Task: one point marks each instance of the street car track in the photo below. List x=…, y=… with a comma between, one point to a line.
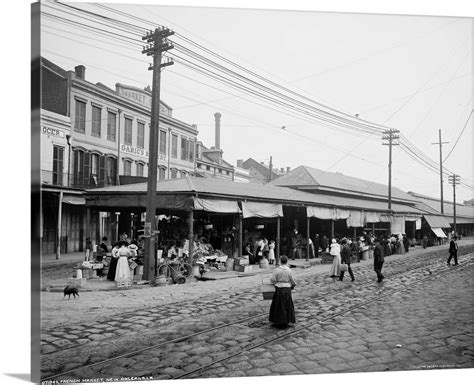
x=280, y=335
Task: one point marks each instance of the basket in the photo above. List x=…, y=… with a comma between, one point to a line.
x=344, y=268
x=268, y=289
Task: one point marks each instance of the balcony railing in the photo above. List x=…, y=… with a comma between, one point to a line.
x=78, y=180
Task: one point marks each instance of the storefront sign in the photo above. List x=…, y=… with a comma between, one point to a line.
x=140, y=96
x=134, y=150
x=52, y=132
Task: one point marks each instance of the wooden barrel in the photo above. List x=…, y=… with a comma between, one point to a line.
x=160, y=280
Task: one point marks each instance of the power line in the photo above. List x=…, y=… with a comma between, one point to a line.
x=459, y=136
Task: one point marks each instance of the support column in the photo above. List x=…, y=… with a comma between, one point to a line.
x=60, y=215
x=332, y=229
x=117, y=217
x=277, y=244
x=373, y=228
x=239, y=255
x=307, y=238
x=191, y=236
x=88, y=231
x=355, y=233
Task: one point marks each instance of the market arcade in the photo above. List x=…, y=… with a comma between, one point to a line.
x=231, y=214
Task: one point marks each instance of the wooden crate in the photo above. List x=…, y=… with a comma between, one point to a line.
x=243, y=269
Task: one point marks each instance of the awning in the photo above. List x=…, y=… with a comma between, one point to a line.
x=216, y=205
x=261, y=210
x=439, y=232
x=372, y=217
x=341, y=213
x=320, y=212
x=356, y=219
x=74, y=199
x=437, y=221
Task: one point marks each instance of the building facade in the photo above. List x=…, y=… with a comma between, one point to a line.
x=94, y=136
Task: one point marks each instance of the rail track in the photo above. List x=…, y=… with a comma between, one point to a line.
x=310, y=313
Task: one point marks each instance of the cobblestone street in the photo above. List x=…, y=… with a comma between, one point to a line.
x=419, y=318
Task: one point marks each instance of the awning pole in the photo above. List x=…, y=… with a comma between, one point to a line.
x=277, y=257
x=240, y=237
x=60, y=214
x=191, y=236
x=307, y=238
x=332, y=228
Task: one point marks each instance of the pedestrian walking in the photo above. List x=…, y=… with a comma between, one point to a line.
x=378, y=260
x=123, y=271
x=113, y=262
x=346, y=259
x=282, y=309
x=406, y=243
x=453, y=250
x=335, y=251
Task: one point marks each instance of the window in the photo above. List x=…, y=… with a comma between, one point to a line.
x=58, y=158
x=140, y=169
x=141, y=135
x=184, y=149
x=208, y=168
x=110, y=171
x=174, y=146
x=111, y=125
x=80, y=118
x=227, y=172
x=191, y=150
x=174, y=173
x=198, y=151
x=220, y=171
x=162, y=142
x=96, y=120
x=161, y=173
x=127, y=132
x=183, y=174
x=127, y=167
x=81, y=169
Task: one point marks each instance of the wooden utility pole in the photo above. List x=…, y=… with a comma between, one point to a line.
x=157, y=45
x=454, y=180
x=391, y=139
x=441, y=169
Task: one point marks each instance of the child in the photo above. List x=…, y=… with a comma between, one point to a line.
x=271, y=252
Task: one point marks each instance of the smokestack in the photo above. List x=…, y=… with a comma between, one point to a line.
x=287, y=170
x=217, y=117
x=240, y=163
x=80, y=71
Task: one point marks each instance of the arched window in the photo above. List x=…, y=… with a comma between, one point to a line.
x=127, y=167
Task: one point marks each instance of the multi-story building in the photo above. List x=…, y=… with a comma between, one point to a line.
x=95, y=136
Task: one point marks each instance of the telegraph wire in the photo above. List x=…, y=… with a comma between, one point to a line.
x=459, y=136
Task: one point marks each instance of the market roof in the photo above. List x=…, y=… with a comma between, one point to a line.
x=437, y=221
x=433, y=205
x=304, y=177
x=237, y=191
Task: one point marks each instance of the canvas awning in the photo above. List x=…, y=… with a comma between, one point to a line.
x=437, y=221
x=216, y=205
x=320, y=212
x=439, y=232
x=371, y=217
x=261, y=210
x=74, y=199
x=356, y=219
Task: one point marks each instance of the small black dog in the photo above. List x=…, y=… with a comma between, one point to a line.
x=70, y=290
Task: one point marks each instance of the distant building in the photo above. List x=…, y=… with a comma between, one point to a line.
x=470, y=202
x=259, y=171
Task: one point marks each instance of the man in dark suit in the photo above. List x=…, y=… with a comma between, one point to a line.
x=378, y=260
x=346, y=258
x=453, y=250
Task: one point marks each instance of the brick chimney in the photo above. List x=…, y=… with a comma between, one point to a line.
x=80, y=71
x=217, y=117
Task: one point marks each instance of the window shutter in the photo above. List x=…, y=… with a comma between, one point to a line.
x=87, y=168
x=101, y=170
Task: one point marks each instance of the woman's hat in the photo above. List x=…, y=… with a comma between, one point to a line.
x=133, y=247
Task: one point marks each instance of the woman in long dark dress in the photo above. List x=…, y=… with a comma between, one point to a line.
x=113, y=262
x=282, y=310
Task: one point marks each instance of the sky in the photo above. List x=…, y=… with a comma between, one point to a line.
x=411, y=73
x=336, y=87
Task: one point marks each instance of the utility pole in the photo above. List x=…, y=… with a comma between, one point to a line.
x=390, y=138
x=441, y=168
x=454, y=180
x=157, y=44
x=270, y=170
